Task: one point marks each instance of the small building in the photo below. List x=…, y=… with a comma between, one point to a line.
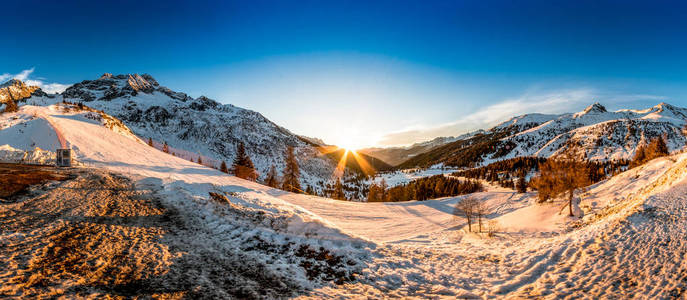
x=64, y=158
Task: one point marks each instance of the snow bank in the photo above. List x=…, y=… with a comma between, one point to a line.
x=27, y=131
x=37, y=156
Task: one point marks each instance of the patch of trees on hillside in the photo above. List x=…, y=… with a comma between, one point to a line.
x=463, y=153
x=436, y=186
x=561, y=177
x=512, y=173
x=509, y=173
x=656, y=148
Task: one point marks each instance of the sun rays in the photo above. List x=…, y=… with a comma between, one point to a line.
x=361, y=161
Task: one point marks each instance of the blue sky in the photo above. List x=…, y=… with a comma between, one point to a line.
x=366, y=72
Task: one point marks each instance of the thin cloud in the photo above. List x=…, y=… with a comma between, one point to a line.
x=555, y=102
x=25, y=76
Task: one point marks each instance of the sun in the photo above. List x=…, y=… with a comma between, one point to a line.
x=348, y=144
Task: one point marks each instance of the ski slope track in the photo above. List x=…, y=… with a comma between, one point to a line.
x=629, y=240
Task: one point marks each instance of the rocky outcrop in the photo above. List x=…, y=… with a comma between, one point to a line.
x=16, y=90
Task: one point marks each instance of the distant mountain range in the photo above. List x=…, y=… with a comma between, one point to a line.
x=397, y=155
x=206, y=127
x=592, y=134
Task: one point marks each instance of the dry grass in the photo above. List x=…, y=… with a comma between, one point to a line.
x=15, y=178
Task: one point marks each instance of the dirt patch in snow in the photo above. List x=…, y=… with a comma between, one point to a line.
x=98, y=235
x=15, y=179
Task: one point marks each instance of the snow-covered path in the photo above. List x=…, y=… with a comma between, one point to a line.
x=643, y=254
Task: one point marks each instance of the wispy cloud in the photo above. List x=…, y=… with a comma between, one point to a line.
x=550, y=102
x=25, y=76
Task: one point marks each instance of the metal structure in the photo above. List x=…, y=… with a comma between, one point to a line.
x=64, y=158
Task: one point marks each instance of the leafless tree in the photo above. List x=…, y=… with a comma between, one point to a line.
x=480, y=210
x=493, y=227
x=466, y=208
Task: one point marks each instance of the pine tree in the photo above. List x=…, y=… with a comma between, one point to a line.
x=291, y=180
x=373, y=193
x=242, y=166
x=271, y=180
x=658, y=147
x=561, y=176
x=521, y=186
x=223, y=167
x=382, y=190
x=150, y=142
x=338, y=191
x=200, y=161
x=165, y=147
x=11, y=106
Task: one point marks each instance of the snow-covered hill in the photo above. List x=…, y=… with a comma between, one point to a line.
x=592, y=134
x=201, y=126
x=597, y=134
x=631, y=234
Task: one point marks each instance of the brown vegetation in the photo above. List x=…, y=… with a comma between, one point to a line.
x=11, y=106
x=292, y=174
x=15, y=178
x=561, y=176
x=656, y=148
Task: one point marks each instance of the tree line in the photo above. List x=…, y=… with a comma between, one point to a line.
x=655, y=148
x=512, y=173
x=422, y=189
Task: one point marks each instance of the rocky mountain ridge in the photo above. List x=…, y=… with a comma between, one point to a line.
x=16, y=90
x=591, y=134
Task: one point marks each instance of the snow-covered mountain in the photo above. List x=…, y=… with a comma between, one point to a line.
x=593, y=134
x=397, y=155
x=201, y=125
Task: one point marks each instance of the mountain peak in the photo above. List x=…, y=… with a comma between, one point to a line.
x=139, y=83
x=15, y=89
x=12, y=82
x=664, y=105
x=596, y=107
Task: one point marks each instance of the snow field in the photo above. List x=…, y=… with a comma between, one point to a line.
x=418, y=249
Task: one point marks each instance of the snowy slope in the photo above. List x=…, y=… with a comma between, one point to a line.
x=94, y=144
x=592, y=134
x=597, y=134
x=196, y=127
x=629, y=238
